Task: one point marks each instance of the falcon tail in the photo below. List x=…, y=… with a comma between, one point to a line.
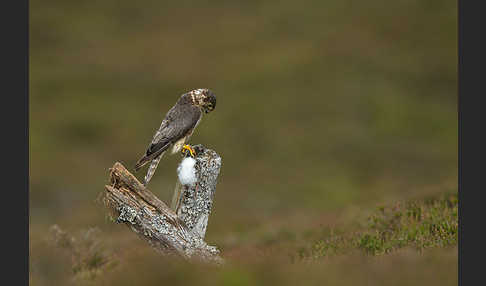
x=152, y=168
x=144, y=160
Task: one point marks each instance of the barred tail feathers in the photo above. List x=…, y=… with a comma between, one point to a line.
x=152, y=168
x=144, y=160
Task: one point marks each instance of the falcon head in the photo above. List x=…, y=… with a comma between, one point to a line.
x=204, y=98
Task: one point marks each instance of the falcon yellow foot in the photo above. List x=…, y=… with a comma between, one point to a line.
x=187, y=148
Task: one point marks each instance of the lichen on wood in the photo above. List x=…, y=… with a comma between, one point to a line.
x=193, y=206
x=169, y=232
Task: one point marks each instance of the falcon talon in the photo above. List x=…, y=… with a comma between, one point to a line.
x=187, y=148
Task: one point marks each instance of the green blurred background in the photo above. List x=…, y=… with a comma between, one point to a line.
x=325, y=110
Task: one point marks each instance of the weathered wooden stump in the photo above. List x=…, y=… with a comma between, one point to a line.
x=180, y=230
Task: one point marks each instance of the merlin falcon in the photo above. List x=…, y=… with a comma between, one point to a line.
x=176, y=128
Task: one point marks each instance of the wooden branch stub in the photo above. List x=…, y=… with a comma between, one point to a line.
x=121, y=177
x=131, y=203
x=193, y=202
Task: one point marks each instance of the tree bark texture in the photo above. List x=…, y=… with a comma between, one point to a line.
x=180, y=230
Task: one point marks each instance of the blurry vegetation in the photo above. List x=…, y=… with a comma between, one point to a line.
x=326, y=109
x=89, y=258
x=419, y=224
x=416, y=224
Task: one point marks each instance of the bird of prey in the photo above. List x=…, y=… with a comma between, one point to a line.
x=176, y=128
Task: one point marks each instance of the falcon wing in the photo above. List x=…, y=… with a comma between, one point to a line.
x=179, y=121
